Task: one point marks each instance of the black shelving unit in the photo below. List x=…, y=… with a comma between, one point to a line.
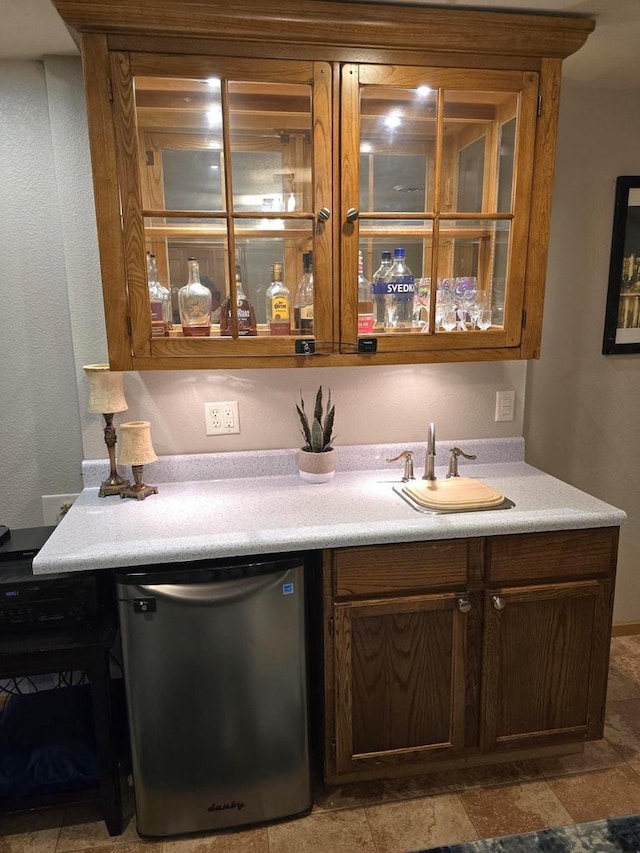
x=66, y=650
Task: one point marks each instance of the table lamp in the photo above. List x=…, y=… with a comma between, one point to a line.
x=106, y=397
x=136, y=450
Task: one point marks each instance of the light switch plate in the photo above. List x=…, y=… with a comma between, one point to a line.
x=505, y=405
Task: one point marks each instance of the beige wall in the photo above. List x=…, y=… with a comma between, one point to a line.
x=582, y=414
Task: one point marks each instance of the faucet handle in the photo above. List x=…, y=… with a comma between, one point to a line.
x=407, y=455
x=453, y=461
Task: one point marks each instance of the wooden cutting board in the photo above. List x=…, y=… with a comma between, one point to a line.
x=456, y=493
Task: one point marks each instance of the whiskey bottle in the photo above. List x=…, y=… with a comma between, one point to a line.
x=194, y=302
x=303, y=302
x=278, y=303
x=245, y=311
x=159, y=301
x=365, y=301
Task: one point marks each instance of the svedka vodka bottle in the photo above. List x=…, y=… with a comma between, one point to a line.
x=401, y=288
x=380, y=292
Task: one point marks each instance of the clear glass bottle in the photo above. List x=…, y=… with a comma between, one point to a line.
x=365, y=301
x=247, y=326
x=278, y=303
x=194, y=302
x=401, y=287
x=159, y=300
x=380, y=292
x=303, y=302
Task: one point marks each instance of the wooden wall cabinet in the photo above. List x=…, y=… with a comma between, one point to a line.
x=330, y=128
x=465, y=651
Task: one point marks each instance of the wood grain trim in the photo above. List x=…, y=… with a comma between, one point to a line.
x=568, y=553
x=540, y=210
x=387, y=569
x=102, y=144
x=335, y=23
x=323, y=147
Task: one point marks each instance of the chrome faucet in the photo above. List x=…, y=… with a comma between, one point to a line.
x=429, y=466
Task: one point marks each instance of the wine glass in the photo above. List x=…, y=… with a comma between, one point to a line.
x=449, y=319
x=480, y=302
x=484, y=319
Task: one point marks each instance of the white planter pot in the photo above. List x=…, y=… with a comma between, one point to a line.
x=317, y=467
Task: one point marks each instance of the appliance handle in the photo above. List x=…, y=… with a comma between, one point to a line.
x=217, y=592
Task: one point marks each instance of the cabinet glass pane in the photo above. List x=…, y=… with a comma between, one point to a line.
x=472, y=268
x=192, y=179
x=180, y=131
x=172, y=255
x=270, y=132
x=397, y=149
x=257, y=250
x=478, y=147
x=417, y=241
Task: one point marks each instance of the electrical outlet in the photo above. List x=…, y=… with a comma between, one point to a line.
x=54, y=507
x=221, y=418
x=505, y=406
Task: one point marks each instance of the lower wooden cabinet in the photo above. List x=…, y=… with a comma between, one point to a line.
x=446, y=651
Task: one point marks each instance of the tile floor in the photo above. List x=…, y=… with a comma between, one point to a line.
x=407, y=814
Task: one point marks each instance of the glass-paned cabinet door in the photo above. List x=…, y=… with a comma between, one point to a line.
x=223, y=167
x=437, y=168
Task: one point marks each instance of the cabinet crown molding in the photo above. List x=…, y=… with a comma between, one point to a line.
x=336, y=24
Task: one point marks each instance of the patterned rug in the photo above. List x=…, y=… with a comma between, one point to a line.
x=614, y=835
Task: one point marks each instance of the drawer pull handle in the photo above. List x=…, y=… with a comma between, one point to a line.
x=464, y=605
x=352, y=214
x=498, y=602
x=324, y=214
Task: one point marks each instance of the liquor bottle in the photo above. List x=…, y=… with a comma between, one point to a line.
x=194, y=302
x=380, y=292
x=365, y=301
x=303, y=302
x=401, y=287
x=159, y=300
x=245, y=310
x=278, y=303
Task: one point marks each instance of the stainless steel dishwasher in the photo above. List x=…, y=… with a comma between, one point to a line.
x=216, y=679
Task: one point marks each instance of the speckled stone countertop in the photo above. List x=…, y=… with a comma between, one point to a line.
x=223, y=505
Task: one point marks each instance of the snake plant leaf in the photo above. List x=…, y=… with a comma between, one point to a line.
x=317, y=440
x=328, y=428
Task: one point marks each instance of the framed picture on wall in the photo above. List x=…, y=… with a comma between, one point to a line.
x=622, y=317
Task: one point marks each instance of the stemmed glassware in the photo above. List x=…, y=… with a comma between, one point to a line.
x=461, y=306
x=484, y=320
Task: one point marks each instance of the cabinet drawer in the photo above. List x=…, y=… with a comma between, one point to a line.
x=571, y=553
x=403, y=567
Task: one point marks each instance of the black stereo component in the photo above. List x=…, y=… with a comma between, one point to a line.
x=29, y=601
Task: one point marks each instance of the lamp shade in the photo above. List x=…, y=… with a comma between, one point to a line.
x=106, y=392
x=135, y=443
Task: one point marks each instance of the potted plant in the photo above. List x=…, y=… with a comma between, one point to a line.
x=316, y=459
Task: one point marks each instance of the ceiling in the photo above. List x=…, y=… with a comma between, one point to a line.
x=609, y=59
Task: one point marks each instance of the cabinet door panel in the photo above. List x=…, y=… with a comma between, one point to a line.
x=399, y=680
x=545, y=653
x=459, y=209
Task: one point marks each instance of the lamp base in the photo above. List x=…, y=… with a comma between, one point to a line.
x=113, y=485
x=138, y=491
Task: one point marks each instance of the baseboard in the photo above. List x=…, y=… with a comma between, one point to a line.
x=623, y=629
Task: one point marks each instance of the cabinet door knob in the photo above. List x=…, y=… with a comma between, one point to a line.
x=498, y=602
x=464, y=605
x=323, y=214
x=352, y=214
